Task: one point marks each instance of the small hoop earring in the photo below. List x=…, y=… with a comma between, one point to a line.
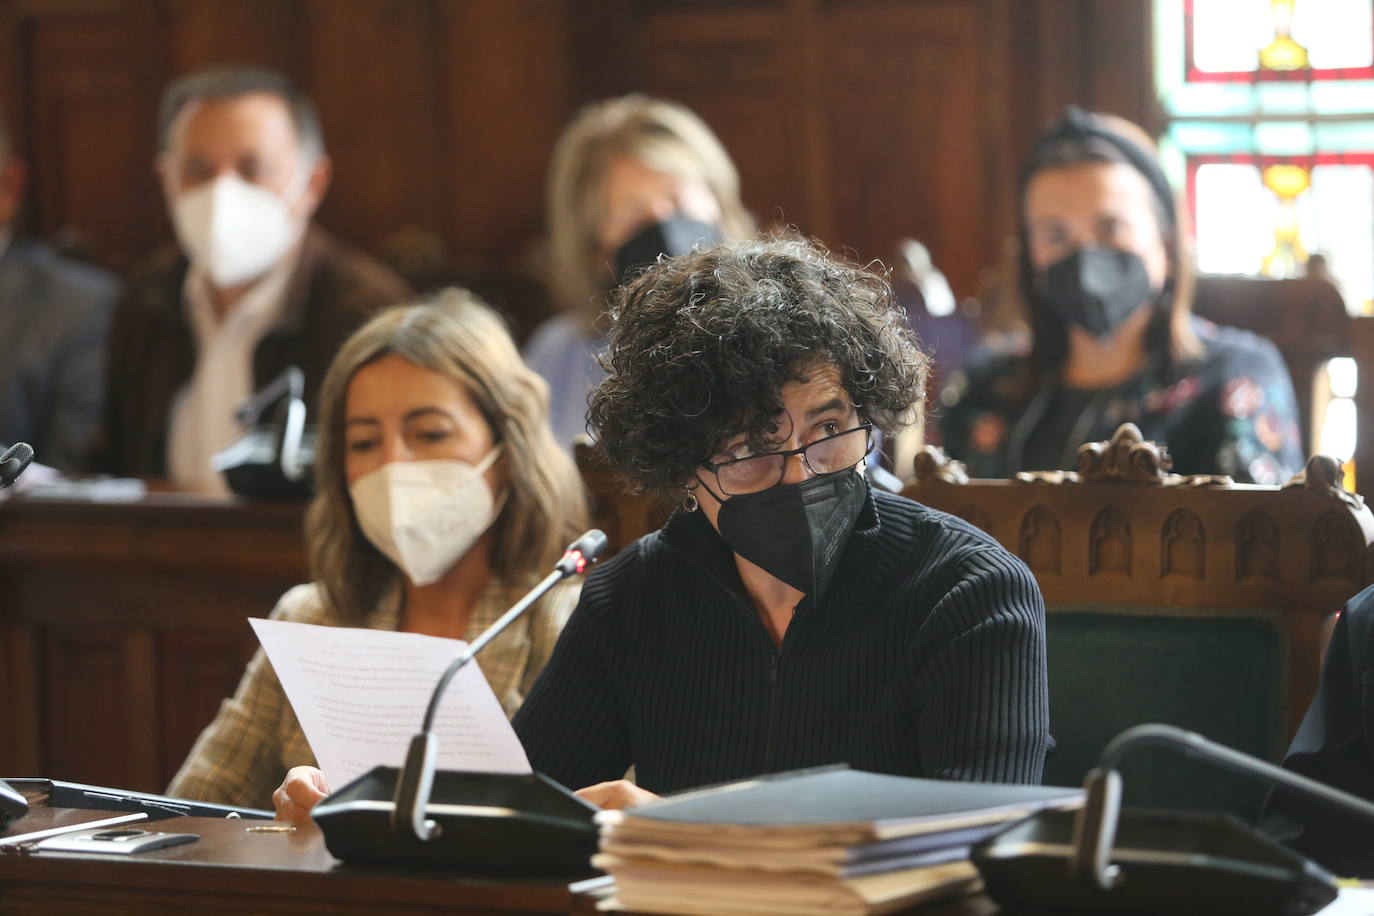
x=690, y=503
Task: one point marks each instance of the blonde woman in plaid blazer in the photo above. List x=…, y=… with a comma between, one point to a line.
x=439, y=382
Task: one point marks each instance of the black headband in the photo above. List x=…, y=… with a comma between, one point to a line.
x=1079, y=125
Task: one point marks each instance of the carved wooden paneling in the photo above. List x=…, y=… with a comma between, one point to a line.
x=739, y=68
x=374, y=73
x=197, y=670
x=91, y=148
x=124, y=626
x=505, y=97
x=1336, y=548
x=197, y=32
x=906, y=158
x=1183, y=546
x=1041, y=540
x=1109, y=543
x=100, y=693
x=1257, y=547
x=22, y=689
x=974, y=515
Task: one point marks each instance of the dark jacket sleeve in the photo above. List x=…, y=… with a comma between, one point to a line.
x=1333, y=745
x=981, y=687
x=572, y=724
x=149, y=354
x=334, y=291
x=79, y=383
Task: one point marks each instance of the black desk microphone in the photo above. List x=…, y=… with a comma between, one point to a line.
x=1103, y=859
x=13, y=461
x=484, y=823
x=417, y=776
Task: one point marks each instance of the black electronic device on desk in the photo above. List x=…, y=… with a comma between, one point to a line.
x=480, y=823
x=488, y=823
x=13, y=462
x=1105, y=860
x=157, y=807
x=273, y=457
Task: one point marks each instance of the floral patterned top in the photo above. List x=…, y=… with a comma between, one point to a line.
x=1232, y=411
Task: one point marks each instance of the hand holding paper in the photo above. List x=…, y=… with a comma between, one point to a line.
x=360, y=695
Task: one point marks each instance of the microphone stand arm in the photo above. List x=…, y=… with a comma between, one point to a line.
x=415, y=782
x=1096, y=823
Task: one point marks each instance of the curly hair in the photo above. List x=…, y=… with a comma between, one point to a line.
x=701, y=345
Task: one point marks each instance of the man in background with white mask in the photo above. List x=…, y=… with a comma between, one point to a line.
x=255, y=287
x=54, y=314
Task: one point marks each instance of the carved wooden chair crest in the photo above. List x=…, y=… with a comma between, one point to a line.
x=1186, y=599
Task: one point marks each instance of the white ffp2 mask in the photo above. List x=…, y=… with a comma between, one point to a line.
x=424, y=515
x=234, y=230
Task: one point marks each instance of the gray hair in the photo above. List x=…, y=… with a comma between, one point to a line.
x=233, y=81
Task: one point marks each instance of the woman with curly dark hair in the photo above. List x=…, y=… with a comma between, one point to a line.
x=789, y=615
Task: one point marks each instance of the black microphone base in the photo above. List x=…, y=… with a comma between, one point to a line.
x=1172, y=862
x=489, y=824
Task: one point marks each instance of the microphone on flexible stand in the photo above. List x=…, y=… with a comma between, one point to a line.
x=1103, y=859
x=13, y=461
x=483, y=822
x=417, y=776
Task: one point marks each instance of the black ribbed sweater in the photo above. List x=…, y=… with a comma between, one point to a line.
x=926, y=657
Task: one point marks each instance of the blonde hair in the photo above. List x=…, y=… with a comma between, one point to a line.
x=456, y=335
x=662, y=135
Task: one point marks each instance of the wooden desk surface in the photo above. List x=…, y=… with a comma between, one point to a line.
x=231, y=869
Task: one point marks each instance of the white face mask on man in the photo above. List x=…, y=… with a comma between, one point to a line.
x=234, y=230
x=424, y=515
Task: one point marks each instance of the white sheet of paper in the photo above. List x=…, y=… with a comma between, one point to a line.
x=1352, y=901
x=360, y=696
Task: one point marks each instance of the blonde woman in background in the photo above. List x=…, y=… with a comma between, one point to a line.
x=631, y=178
x=441, y=498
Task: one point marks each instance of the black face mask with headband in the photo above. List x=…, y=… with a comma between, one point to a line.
x=1096, y=289
x=796, y=532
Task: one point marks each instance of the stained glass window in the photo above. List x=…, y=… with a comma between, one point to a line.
x=1271, y=130
x=1270, y=107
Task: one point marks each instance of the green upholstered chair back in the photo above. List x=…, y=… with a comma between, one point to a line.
x=1221, y=676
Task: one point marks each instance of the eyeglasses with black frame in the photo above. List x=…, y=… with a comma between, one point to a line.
x=753, y=473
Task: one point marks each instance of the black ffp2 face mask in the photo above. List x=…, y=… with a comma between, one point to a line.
x=1096, y=289
x=796, y=532
x=672, y=237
